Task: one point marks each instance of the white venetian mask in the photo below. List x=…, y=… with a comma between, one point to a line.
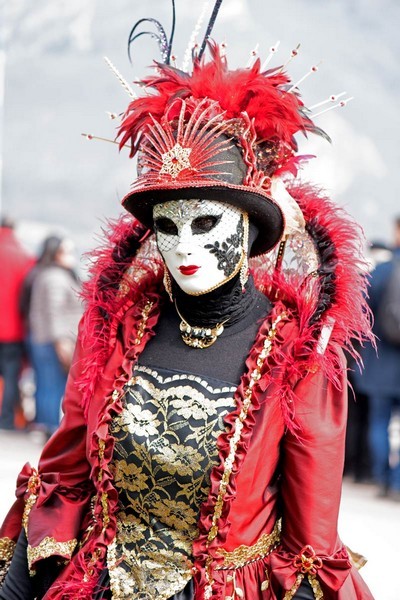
x=201, y=241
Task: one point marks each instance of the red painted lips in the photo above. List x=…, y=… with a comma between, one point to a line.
x=189, y=269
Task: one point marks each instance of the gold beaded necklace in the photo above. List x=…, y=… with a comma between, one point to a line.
x=199, y=337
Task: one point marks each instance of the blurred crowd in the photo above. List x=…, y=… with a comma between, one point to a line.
x=40, y=311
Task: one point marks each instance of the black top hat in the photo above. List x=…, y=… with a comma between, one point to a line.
x=195, y=158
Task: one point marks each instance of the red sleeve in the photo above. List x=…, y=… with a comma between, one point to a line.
x=52, y=501
x=312, y=467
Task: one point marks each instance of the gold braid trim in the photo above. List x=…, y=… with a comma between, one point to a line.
x=7, y=547
x=356, y=559
x=103, y=496
x=32, y=489
x=255, y=375
x=242, y=555
x=104, y=507
x=48, y=547
x=28, y=507
x=5, y=565
x=290, y=593
x=316, y=587
x=143, y=322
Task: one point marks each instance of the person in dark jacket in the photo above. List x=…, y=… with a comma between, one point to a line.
x=381, y=382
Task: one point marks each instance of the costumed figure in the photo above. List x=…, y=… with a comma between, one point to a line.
x=201, y=451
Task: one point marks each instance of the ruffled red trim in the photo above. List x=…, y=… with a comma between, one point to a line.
x=202, y=548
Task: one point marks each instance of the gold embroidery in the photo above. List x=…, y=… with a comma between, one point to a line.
x=137, y=421
x=102, y=445
x=48, y=547
x=290, y=593
x=143, y=323
x=33, y=488
x=134, y=578
x=129, y=476
x=145, y=572
x=165, y=448
x=28, y=507
x=7, y=547
x=358, y=560
x=233, y=442
x=176, y=514
x=316, y=587
x=237, y=592
x=180, y=459
x=179, y=377
x=242, y=555
x=104, y=506
x=265, y=583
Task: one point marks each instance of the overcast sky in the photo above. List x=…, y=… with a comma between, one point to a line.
x=55, y=85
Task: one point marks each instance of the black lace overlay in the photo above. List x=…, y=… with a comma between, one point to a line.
x=165, y=448
x=228, y=253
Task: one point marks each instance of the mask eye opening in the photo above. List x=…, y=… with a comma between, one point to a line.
x=204, y=223
x=166, y=226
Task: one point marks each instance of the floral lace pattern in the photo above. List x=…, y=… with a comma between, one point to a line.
x=229, y=251
x=165, y=448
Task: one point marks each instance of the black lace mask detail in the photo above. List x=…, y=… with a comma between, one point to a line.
x=229, y=252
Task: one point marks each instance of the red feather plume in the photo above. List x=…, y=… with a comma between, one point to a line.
x=277, y=114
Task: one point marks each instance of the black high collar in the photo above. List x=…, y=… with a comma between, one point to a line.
x=227, y=303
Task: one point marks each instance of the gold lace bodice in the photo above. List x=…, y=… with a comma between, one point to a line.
x=165, y=448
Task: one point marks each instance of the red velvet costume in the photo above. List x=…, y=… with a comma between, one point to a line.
x=281, y=458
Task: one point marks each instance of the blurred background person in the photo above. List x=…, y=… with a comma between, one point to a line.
x=15, y=263
x=45, y=259
x=357, y=458
x=381, y=377
x=51, y=293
